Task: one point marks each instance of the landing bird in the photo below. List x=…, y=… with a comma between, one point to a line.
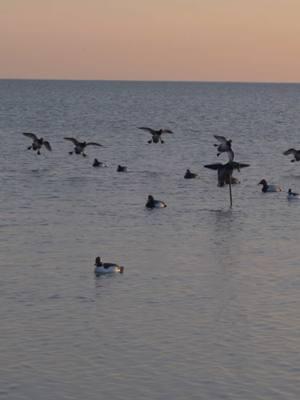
x=296, y=154
x=156, y=134
x=224, y=147
x=225, y=171
x=80, y=146
x=37, y=143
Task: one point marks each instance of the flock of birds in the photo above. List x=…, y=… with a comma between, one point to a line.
x=224, y=172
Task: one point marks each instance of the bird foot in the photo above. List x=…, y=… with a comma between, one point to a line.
x=149, y=141
x=70, y=152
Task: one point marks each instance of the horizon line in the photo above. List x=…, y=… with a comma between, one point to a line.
x=152, y=81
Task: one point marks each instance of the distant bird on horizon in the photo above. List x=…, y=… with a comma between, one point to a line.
x=224, y=147
x=225, y=171
x=296, y=154
x=156, y=134
x=37, y=143
x=80, y=146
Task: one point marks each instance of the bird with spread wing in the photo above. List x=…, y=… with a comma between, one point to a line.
x=156, y=134
x=37, y=143
x=80, y=146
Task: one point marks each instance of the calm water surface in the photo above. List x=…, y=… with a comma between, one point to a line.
x=208, y=306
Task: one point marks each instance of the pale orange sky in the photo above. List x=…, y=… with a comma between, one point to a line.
x=196, y=40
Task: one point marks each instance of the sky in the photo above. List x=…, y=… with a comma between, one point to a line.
x=186, y=40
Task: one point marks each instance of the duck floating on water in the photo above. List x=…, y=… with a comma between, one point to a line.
x=156, y=134
x=97, y=163
x=296, y=154
x=80, y=146
x=152, y=203
x=37, y=143
x=121, y=168
x=106, y=268
x=189, y=175
x=266, y=188
x=293, y=195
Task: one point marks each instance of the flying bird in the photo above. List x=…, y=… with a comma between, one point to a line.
x=296, y=154
x=37, y=143
x=224, y=147
x=156, y=134
x=80, y=146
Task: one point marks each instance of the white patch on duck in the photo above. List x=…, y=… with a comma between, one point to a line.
x=269, y=188
x=152, y=203
x=293, y=195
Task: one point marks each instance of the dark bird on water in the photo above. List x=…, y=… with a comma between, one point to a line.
x=269, y=188
x=121, y=168
x=80, y=146
x=225, y=171
x=189, y=175
x=224, y=147
x=156, y=134
x=37, y=143
x=296, y=154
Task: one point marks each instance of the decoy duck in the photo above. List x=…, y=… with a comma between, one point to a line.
x=37, y=143
x=156, y=134
x=296, y=154
x=152, y=203
x=189, y=175
x=80, y=146
x=269, y=188
x=225, y=171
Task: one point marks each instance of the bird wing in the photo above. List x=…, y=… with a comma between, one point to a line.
x=152, y=131
x=237, y=165
x=47, y=145
x=221, y=139
x=215, y=166
x=74, y=141
x=30, y=135
x=93, y=144
x=289, y=151
x=166, y=131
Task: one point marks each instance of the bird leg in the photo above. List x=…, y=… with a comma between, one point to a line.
x=70, y=152
x=150, y=141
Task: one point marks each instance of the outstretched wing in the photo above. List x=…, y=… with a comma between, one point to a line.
x=215, y=166
x=30, y=135
x=166, y=131
x=152, y=131
x=74, y=141
x=238, y=165
x=221, y=139
x=289, y=151
x=47, y=145
x=93, y=144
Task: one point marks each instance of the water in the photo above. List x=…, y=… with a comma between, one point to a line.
x=208, y=306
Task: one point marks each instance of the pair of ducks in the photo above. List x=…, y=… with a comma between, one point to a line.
x=266, y=188
x=37, y=144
